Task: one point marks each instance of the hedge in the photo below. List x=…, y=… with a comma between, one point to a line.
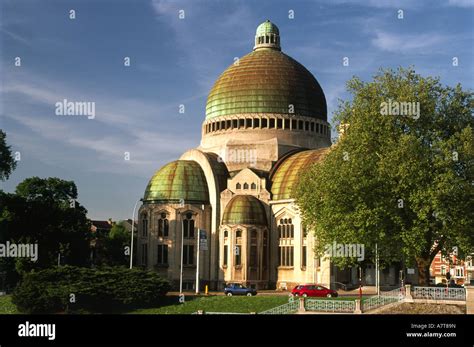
x=77, y=289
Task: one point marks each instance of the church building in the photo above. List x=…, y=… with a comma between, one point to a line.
x=265, y=124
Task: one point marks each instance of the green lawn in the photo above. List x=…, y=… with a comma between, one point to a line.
x=6, y=305
x=240, y=304
x=237, y=304
x=171, y=305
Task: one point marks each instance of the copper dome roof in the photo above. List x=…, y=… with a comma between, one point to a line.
x=266, y=81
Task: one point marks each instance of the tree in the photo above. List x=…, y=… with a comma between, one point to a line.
x=403, y=182
x=44, y=211
x=114, y=245
x=7, y=162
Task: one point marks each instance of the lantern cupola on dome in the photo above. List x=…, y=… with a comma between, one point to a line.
x=267, y=36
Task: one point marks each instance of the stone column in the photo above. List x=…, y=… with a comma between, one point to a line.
x=358, y=309
x=408, y=297
x=470, y=299
x=301, y=308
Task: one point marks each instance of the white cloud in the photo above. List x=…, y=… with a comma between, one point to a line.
x=411, y=43
x=121, y=125
x=196, y=40
x=402, y=4
x=461, y=3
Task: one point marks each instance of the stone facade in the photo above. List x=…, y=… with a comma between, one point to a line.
x=265, y=121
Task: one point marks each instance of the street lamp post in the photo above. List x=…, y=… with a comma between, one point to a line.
x=133, y=224
x=182, y=251
x=377, y=270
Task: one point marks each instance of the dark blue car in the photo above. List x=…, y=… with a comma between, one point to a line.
x=239, y=289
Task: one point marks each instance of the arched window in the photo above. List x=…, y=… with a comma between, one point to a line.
x=226, y=233
x=144, y=225
x=286, y=248
x=253, y=249
x=246, y=186
x=272, y=123
x=238, y=186
x=238, y=248
x=265, y=249
x=304, y=249
x=163, y=225
x=256, y=122
x=188, y=226
x=253, y=186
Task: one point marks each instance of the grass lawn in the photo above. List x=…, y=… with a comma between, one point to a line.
x=6, y=305
x=171, y=305
x=237, y=304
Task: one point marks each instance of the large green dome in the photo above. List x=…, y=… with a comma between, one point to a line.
x=266, y=81
x=244, y=209
x=178, y=181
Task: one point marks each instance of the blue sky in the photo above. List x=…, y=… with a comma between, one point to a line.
x=175, y=61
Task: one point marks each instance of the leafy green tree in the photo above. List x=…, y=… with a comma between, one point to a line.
x=7, y=162
x=44, y=211
x=403, y=182
x=114, y=245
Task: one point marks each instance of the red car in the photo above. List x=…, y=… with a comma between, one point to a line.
x=313, y=290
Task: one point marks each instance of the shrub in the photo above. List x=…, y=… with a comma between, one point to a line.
x=76, y=289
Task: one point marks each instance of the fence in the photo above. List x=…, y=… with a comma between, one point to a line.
x=439, y=293
x=288, y=308
x=335, y=306
x=384, y=298
x=207, y=312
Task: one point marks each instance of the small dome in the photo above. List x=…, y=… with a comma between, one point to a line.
x=244, y=209
x=288, y=170
x=267, y=27
x=178, y=181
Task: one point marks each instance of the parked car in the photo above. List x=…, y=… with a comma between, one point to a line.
x=239, y=289
x=313, y=290
x=345, y=286
x=450, y=285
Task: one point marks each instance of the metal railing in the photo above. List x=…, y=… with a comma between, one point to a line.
x=288, y=308
x=207, y=312
x=330, y=305
x=439, y=293
x=384, y=298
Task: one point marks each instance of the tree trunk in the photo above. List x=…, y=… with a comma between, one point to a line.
x=423, y=265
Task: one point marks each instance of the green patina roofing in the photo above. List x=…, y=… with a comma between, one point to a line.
x=267, y=27
x=289, y=169
x=266, y=81
x=180, y=179
x=244, y=209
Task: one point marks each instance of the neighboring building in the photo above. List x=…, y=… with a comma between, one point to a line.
x=266, y=123
x=470, y=269
x=99, y=229
x=128, y=225
x=461, y=271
